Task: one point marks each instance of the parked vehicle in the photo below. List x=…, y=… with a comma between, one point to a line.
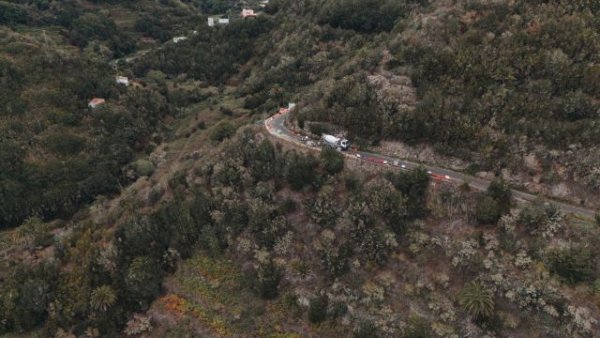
x=335, y=142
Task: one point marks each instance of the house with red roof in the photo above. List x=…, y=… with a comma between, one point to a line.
x=95, y=102
x=248, y=13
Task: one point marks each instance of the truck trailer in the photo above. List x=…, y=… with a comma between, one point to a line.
x=335, y=142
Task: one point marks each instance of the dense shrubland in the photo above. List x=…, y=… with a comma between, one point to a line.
x=212, y=55
x=247, y=237
x=365, y=234
x=57, y=154
x=121, y=275
x=486, y=82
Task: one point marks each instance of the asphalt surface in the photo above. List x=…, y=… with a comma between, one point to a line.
x=276, y=127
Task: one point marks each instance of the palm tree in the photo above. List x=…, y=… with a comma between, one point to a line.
x=26, y=234
x=103, y=298
x=477, y=300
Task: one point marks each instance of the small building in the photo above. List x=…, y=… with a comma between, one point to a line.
x=248, y=13
x=263, y=3
x=216, y=20
x=122, y=80
x=95, y=102
x=179, y=39
x=291, y=106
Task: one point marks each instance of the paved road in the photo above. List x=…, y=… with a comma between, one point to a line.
x=275, y=126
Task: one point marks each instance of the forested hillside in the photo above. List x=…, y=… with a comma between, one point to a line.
x=56, y=153
x=169, y=211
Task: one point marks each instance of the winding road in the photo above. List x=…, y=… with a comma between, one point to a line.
x=275, y=125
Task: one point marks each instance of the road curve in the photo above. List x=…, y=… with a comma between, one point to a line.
x=275, y=126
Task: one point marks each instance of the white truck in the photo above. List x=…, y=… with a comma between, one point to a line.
x=335, y=142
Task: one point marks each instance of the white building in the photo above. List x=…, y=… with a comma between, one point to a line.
x=179, y=38
x=213, y=21
x=122, y=80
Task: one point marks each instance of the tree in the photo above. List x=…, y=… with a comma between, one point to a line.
x=333, y=161
x=317, y=311
x=323, y=210
x=500, y=191
x=92, y=26
x=103, y=298
x=29, y=233
x=417, y=327
x=11, y=159
x=352, y=104
x=222, y=131
x=301, y=170
x=366, y=329
x=268, y=278
x=413, y=185
x=363, y=16
x=265, y=163
x=487, y=210
x=143, y=281
x=477, y=300
x=574, y=264
x=12, y=14
x=532, y=218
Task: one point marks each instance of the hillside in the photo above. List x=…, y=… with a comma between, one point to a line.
x=170, y=211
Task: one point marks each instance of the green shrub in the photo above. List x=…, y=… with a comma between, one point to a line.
x=333, y=160
x=501, y=192
x=317, y=311
x=301, y=171
x=596, y=287
x=574, y=264
x=338, y=309
x=487, y=210
x=268, y=278
x=532, y=218
x=364, y=16
x=222, y=131
x=317, y=128
x=366, y=329
x=417, y=328
x=352, y=182
x=144, y=167
x=12, y=14
x=65, y=143
x=413, y=185
x=287, y=206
